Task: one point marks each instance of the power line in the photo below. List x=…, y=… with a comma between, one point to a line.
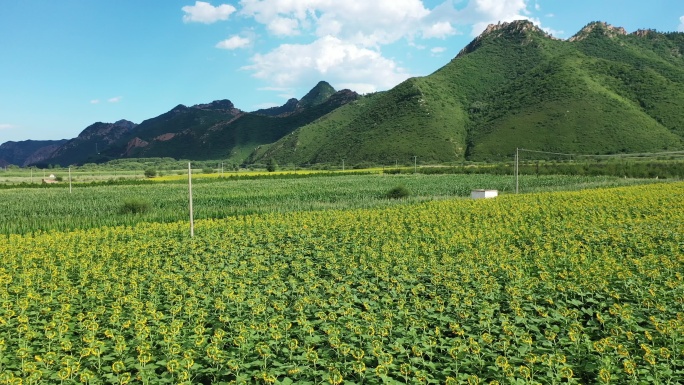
x=636, y=154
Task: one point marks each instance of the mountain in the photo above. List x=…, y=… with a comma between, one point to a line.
x=318, y=95
x=27, y=152
x=218, y=130
x=289, y=107
x=87, y=145
x=603, y=91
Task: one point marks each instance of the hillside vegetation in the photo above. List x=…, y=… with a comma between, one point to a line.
x=600, y=92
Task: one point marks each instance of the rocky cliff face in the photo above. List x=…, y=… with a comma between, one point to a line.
x=514, y=28
x=598, y=27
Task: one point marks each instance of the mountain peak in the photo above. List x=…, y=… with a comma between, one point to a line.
x=502, y=29
x=127, y=124
x=223, y=104
x=319, y=94
x=598, y=27
x=519, y=26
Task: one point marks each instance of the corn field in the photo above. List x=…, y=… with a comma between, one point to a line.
x=26, y=210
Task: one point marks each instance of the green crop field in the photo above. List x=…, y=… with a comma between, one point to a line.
x=24, y=210
x=543, y=288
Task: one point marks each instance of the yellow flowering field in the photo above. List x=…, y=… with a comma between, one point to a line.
x=548, y=288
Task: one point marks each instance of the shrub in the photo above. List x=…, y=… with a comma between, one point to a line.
x=398, y=192
x=150, y=173
x=134, y=206
x=207, y=170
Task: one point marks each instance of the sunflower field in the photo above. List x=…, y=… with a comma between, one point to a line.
x=546, y=288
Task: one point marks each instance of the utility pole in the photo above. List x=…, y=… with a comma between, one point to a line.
x=517, y=159
x=192, y=223
x=69, y=180
x=342, y=164
x=415, y=164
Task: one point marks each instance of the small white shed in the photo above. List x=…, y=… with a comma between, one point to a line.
x=484, y=194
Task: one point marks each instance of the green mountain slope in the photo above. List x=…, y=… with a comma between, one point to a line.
x=601, y=92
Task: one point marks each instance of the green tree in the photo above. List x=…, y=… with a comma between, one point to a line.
x=271, y=165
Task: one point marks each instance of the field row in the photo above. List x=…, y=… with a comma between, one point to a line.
x=25, y=210
x=568, y=287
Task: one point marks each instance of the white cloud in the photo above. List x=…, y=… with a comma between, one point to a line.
x=115, y=99
x=346, y=38
x=368, y=23
x=478, y=14
x=441, y=30
x=206, y=13
x=7, y=126
x=95, y=101
x=329, y=58
x=481, y=13
x=234, y=42
x=681, y=24
x=283, y=26
x=438, y=50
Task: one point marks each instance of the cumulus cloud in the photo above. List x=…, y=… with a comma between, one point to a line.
x=681, y=24
x=206, y=13
x=441, y=29
x=341, y=63
x=346, y=38
x=234, y=42
x=480, y=13
x=367, y=23
x=283, y=26
x=115, y=99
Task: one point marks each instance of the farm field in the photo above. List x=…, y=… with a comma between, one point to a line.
x=24, y=210
x=543, y=288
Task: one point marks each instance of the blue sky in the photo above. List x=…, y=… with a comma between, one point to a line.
x=69, y=63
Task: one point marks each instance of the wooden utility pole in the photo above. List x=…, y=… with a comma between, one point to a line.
x=192, y=222
x=517, y=160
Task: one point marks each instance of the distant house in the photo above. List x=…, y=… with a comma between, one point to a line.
x=50, y=179
x=484, y=194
